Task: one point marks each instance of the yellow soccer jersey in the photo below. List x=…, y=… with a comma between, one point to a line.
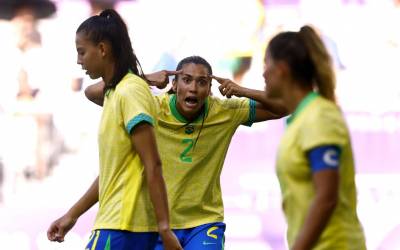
x=124, y=202
x=318, y=122
x=193, y=155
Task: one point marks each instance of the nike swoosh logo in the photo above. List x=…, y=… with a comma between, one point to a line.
x=208, y=243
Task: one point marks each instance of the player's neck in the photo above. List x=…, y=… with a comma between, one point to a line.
x=108, y=74
x=294, y=96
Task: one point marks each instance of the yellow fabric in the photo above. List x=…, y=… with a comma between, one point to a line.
x=192, y=173
x=124, y=201
x=318, y=123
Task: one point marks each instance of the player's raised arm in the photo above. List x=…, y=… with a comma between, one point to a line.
x=266, y=108
x=160, y=79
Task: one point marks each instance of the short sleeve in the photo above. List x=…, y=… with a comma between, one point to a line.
x=251, y=113
x=136, y=104
x=324, y=127
x=324, y=157
x=243, y=110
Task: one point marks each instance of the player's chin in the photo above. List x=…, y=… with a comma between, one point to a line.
x=94, y=77
x=192, y=107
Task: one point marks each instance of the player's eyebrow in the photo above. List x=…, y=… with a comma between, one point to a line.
x=197, y=77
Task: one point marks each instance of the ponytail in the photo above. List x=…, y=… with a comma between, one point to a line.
x=109, y=26
x=307, y=58
x=324, y=76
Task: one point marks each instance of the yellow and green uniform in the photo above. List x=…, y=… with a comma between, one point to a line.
x=124, y=202
x=193, y=155
x=317, y=122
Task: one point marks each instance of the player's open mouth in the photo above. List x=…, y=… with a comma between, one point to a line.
x=191, y=101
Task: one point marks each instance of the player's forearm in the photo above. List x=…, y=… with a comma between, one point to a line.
x=318, y=216
x=90, y=198
x=270, y=105
x=158, y=195
x=152, y=79
x=254, y=94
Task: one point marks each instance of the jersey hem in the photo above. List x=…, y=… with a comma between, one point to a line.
x=196, y=223
x=143, y=229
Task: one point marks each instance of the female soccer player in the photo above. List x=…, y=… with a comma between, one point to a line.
x=315, y=163
x=194, y=133
x=130, y=182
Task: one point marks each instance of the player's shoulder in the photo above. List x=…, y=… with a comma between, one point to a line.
x=133, y=85
x=131, y=80
x=227, y=103
x=162, y=98
x=324, y=111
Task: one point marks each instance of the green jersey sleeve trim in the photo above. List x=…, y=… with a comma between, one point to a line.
x=252, y=113
x=138, y=119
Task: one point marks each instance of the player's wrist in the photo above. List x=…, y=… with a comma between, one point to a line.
x=164, y=228
x=73, y=214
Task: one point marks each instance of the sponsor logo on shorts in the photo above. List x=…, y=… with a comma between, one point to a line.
x=209, y=232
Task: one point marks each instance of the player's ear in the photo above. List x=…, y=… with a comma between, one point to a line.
x=282, y=68
x=174, y=84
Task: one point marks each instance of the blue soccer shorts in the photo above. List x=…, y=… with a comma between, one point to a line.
x=106, y=239
x=208, y=237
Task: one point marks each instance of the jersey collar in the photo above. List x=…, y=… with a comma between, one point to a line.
x=302, y=105
x=179, y=116
x=123, y=78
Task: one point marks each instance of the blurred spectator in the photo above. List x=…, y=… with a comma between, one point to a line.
x=29, y=141
x=247, y=31
x=74, y=117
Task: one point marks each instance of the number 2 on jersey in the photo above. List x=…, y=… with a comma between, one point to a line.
x=189, y=146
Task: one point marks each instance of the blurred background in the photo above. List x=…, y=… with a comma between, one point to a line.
x=48, y=130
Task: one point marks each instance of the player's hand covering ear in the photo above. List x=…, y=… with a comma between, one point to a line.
x=160, y=79
x=227, y=87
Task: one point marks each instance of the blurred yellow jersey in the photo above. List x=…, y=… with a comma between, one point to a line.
x=193, y=155
x=124, y=201
x=318, y=122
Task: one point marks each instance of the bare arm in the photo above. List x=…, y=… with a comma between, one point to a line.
x=160, y=79
x=327, y=187
x=60, y=227
x=266, y=109
x=144, y=141
x=94, y=93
